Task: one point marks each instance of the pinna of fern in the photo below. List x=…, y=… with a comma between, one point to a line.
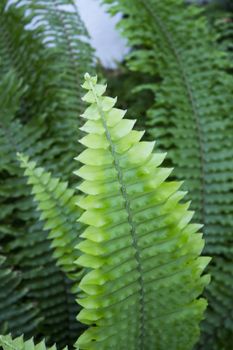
x=140, y=253
x=145, y=274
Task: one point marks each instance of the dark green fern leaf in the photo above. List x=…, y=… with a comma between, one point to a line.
x=53, y=74
x=142, y=291
x=59, y=26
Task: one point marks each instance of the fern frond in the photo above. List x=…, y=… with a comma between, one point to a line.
x=58, y=25
x=8, y=343
x=146, y=273
x=191, y=119
x=51, y=72
x=56, y=202
x=57, y=205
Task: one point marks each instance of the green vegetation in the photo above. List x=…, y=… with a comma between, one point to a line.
x=110, y=255
x=192, y=120
x=140, y=254
x=40, y=98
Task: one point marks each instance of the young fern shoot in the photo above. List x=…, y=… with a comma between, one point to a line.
x=145, y=273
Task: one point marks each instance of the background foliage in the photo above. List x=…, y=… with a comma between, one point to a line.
x=44, y=55
x=177, y=80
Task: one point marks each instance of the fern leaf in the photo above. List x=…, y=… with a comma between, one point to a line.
x=51, y=57
x=8, y=343
x=57, y=205
x=191, y=119
x=146, y=273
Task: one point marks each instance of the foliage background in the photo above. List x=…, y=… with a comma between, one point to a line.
x=41, y=70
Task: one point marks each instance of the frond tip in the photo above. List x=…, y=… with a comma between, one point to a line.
x=143, y=253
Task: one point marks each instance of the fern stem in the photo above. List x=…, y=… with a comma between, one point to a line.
x=132, y=225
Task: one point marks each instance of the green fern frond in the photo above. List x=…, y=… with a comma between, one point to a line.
x=57, y=205
x=51, y=71
x=60, y=26
x=56, y=202
x=8, y=343
x=192, y=121
x=57, y=24
x=142, y=291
